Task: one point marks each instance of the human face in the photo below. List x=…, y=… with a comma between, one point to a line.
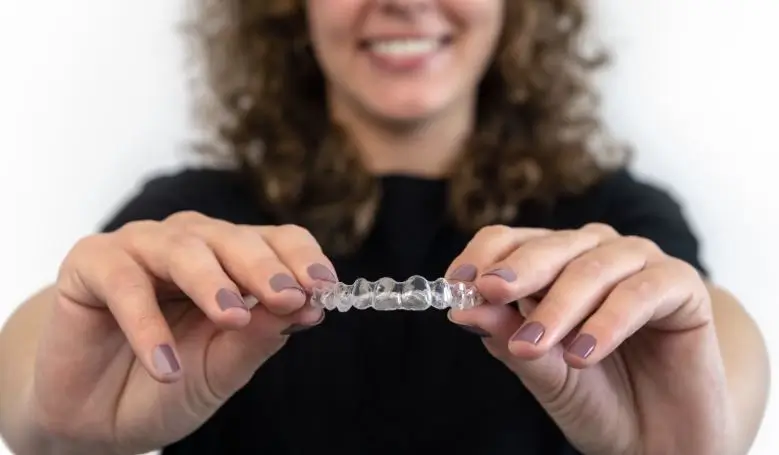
x=404, y=60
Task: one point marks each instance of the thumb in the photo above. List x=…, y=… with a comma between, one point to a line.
x=233, y=357
x=544, y=376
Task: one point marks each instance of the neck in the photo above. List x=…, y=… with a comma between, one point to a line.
x=426, y=149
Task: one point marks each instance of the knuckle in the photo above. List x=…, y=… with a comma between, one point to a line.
x=70, y=272
x=587, y=266
x=566, y=237
x=560, y=240
x=180, y=241
x=640, y=289
x=290, y=231
x=186, y=218
x=90, y=244
x=494, y=230
x=600, y=229
x=129, y=234
x=639, y=243
x=83, y=249
x=246, y=231
x=292, y=238
x=683, y=269
x=136, y=227
x=191, y=262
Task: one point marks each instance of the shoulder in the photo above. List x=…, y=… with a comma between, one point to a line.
x=219, y=193
x=634, y=206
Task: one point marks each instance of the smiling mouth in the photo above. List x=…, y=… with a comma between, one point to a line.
x=405, y=47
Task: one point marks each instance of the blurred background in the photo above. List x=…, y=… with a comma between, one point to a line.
x=93, y=98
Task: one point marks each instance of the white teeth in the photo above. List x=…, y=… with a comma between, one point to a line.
x=405, y=47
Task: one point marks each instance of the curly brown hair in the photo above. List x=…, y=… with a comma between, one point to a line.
x=535, y=137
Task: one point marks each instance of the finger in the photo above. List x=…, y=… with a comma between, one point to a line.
x=489, y=245
x=578, y=291
x=254, y=265
x=112, y=276
x=526, y=307
x=654, y=294
x=298, y=249
x=185, y=260
x=534, y=265
x=488, y=321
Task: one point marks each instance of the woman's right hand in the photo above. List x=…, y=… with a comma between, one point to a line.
x=149, y=334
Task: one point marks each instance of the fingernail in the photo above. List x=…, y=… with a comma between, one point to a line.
x=228, y=299
x=297, y=328
x=505, y=274
x=583, y=346
x=321, y=272
x=465, y=272
x=165, y=361
x=530, y=333
x=474, y=330
x=281, y=282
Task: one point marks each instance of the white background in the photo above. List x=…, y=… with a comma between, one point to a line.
x=92, y=98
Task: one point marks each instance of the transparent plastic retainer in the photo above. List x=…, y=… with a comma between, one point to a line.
x=386, y=294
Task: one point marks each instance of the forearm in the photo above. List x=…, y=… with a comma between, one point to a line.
x=747, y=370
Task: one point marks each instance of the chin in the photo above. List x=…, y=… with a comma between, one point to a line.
x=405, y=109
x=406, y=116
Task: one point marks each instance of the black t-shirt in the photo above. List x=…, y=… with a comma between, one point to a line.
x=368, y=382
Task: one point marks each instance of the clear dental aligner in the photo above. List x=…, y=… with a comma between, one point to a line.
x=386, y=294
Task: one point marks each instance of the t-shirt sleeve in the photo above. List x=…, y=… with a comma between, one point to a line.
x=635, y=207
x=211, y=192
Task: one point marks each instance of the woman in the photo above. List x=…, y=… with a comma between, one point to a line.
x=389, y=138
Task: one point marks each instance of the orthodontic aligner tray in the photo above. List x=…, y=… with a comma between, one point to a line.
x=386, y=294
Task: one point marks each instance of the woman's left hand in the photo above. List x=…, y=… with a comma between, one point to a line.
x=613, y=337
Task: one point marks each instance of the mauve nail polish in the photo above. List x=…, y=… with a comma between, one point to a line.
x=582, y=346
x=281, y=281
x=507, y=275
x=531, y=332
x=164, y=360
x=465, y=272
x=228, y=299
x=321, y=272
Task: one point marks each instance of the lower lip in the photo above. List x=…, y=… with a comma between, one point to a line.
x=403, y=63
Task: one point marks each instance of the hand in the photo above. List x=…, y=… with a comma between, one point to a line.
x=613, y=337
x=150, y=335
